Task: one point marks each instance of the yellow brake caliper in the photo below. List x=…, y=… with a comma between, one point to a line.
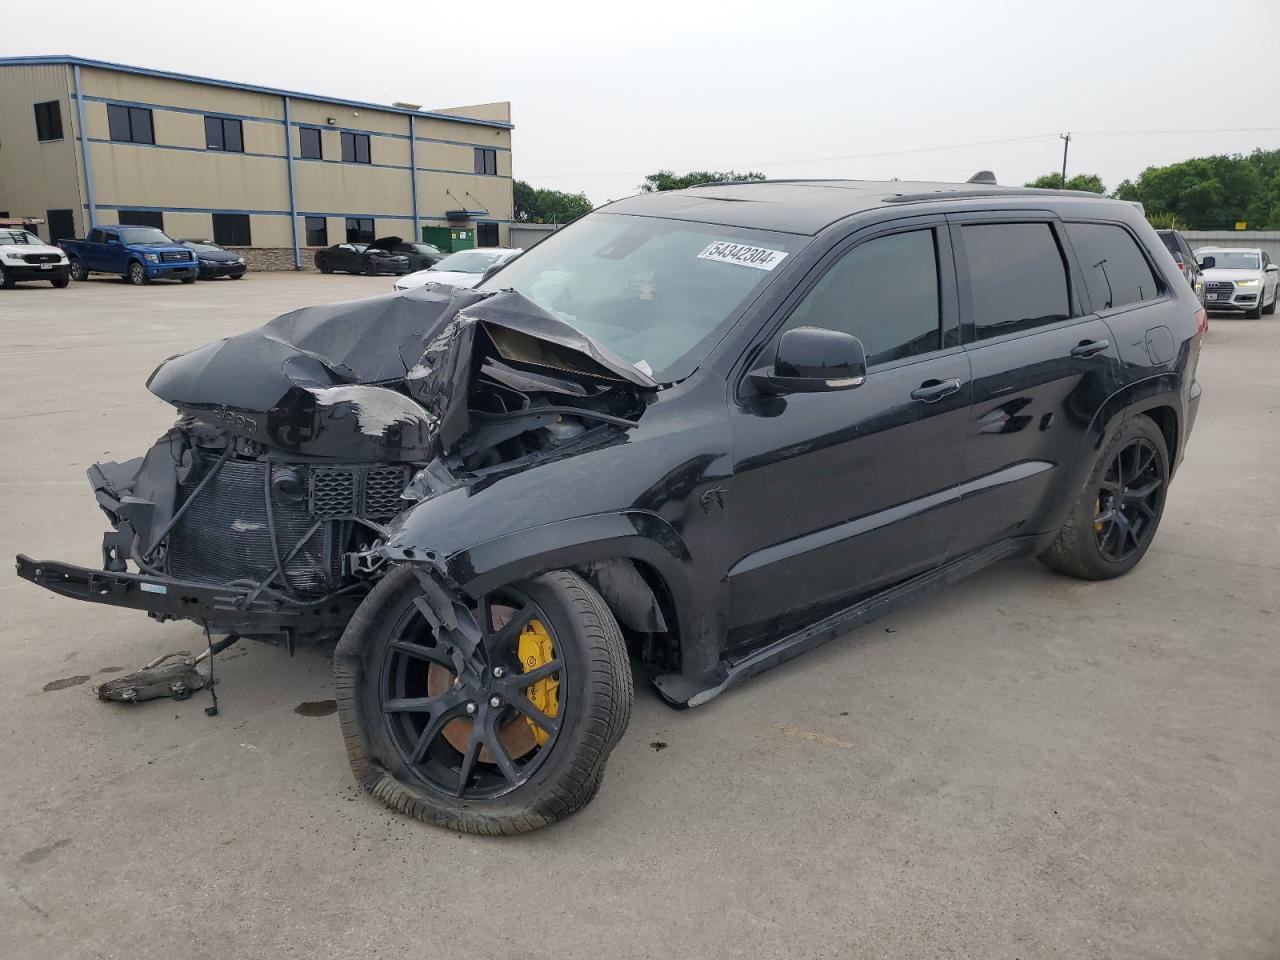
x=536, y=650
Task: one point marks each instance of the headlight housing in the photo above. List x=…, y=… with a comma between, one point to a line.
x=152, y=257
x=1246, y=283
x=239, y=259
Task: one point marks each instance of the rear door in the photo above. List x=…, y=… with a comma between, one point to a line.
x=837, y=495
x=1043, y=364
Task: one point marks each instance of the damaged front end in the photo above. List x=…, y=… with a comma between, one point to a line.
x=261, y=512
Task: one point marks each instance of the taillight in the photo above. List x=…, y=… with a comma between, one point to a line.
x=1202, y=321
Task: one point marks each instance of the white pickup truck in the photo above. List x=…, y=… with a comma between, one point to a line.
x=24, y=256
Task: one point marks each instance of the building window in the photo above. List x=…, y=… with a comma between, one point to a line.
x=48, y=121
x=317, y=231
x=130, y=124
x=355, y=148
x=142, y=218
x=486, y=161
x=486, y=234
x=62, y=225
x=359, y=230
x=310, y=140
x=231, y=230
x=222, y=133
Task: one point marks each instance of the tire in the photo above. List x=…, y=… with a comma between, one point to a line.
x=1086, y=545
x=61, y=282
x=237, y=276
x=6, y=281
x=137, y=274
x=187, y=279
x=77, y=270
x=370, y=269
x=323, y=265
x=1271, y=307
x=559, y=777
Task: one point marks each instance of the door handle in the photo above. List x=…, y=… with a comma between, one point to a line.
x=1088, y=348
x=933, y=390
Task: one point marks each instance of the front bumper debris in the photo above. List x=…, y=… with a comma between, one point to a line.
x=225, y=608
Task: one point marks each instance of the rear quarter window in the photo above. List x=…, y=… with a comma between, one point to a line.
x=1116, y=273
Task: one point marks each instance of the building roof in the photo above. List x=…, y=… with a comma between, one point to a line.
x=70, y=61
x=806, y=206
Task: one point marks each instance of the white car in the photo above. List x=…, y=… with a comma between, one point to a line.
x=1239, y=279
x=24, y=256
x=466, y=268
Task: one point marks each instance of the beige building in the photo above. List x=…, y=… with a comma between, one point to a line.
x=275, y=172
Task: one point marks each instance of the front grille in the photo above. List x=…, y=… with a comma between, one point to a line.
x=224, y=535
x=175, y=257
x=382, y=489
x=357, y=491
x=333, y=492
x=1220, y=286
x=41, y=257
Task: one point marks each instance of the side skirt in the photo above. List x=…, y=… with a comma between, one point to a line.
x=682, y=692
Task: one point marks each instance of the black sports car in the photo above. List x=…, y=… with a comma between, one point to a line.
x=215, y=261
x=381, y=256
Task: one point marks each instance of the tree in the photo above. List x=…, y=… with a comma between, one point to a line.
x=669, y=180
x=1212, y=193
x=1089, y=182
x=547, y=206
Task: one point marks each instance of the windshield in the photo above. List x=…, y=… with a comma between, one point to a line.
x=1232, y=259
x=200, y=247
x=20, y=237
x=659, y=293
x=143, y=235
x=468, y=261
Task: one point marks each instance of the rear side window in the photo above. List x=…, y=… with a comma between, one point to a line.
x=885, y=293
x=1115, y=271
x=1017, y=277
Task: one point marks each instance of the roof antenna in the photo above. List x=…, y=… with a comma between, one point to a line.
x=983, y=176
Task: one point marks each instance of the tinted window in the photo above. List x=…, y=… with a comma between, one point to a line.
x=1016, y=275
x=62, y=225
x=317, y=231
x=231, y=229
x=884, y=292
x=97, y=236
x=359, y=230
x=48, y=121
x=1170, y=240
x=486, y=235
x=1115, y=271
x=129, y=124
x=355, y=148
x=310, y=140
x=143, y=218
x=486, y=161
x=222, y=133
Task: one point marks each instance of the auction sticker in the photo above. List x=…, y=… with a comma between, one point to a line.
x=762, y=258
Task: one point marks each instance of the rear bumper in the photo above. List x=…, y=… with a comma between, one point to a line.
x=224, y=608
x=36, y=271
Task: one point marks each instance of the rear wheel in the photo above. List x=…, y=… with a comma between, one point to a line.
x=370, y=269
x=1115, y=517
x=323, y=265
x=499, y=725
x=1271, y=307
x=137, y=274
x=78, y=272
x=190, y=279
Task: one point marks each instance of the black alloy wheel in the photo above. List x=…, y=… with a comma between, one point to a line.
x=1130, y=498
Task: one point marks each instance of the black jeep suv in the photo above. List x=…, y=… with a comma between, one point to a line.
x=706, y=429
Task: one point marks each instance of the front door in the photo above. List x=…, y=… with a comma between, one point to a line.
x=837, y=495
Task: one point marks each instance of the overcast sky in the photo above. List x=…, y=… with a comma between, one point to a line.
x=604, y=92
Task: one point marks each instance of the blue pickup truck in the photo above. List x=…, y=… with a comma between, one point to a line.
x=139, y=254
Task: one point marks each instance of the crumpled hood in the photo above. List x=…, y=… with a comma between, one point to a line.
x=383, y=378
x=384, y=245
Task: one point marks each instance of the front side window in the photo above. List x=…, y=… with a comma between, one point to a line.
x=130, y=124
x=486, y=161
x=659, y=293
x=1115, y=271
x=48, y=121
x=231, y=229
x=223, y=133
x=885, y=293
x=1017, y=276
x=309, y=141
x=359, y=230
x=317, y=231
x=355, y=148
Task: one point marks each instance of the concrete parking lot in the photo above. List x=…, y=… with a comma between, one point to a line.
x=1021, y=766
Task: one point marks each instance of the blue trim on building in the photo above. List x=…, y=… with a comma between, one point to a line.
x=64, y=59
x=293, y=196
x=413, y=181
x=174, y=146
x=170, y=108
x=282, y=213
x=84, y=151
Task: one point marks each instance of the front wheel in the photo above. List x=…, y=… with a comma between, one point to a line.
x=1271, y=307
x=1116, y=515
x=60, y=282
x=137, y=274
x=499, y=725
x=323, y=265
x=190, y=279
x=6, y=281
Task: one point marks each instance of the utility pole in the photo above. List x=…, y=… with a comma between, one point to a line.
x=1066, y=142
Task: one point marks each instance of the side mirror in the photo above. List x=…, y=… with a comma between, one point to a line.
x=1272, y=268
x=813, y=360
x=1208, y=263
